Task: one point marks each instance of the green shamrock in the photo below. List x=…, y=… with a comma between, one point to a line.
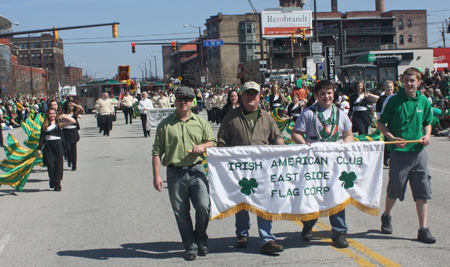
x=248, y=185
x=348, y=179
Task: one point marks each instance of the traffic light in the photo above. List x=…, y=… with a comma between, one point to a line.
x=55, y=36
x=133, y=48
x=303, y=33
x=174, y=47
x=114, y=29
x=293, y=40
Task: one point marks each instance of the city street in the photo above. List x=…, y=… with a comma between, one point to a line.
x=109, y=214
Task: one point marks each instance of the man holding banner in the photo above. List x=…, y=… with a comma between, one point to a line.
x=245, y=126
x=403, y=117
x=186, y=178
x=324, y=122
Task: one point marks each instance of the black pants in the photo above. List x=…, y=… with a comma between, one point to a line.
x=219, y=118
x=209, y=114
x=55, y=172
x=71, y=150
x=128, y=113
x=215, y=114
x=104, y=122
x=144, y=125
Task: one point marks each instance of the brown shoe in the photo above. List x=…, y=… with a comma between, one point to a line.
x=270, y=248
x=242, y=242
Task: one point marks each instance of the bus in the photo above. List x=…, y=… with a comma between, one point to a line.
x=89, y=92
x=153, y=86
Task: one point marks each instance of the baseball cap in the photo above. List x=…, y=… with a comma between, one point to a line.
x=251, y=85
x=186, y=91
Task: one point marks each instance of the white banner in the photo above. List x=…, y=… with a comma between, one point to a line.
x=295, y=182
x=278, y=24
x=156, y=115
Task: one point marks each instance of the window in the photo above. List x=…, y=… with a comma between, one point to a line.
x=249, y=28
x=38, y=45
x=370, y=24
x=50, y=55
x=50, y=66
x=401, y=39
x=32, y=45
x=26, y=57
x=375, y=25
x=254, y=28
x=38, y=56
x=409, y=23
x=21, y=57
x=361, y=24
x=50, y=44
x=370, y=39
x=249, y=58
x=362, y=39
x=410, y=38
x=400, y=24
x=46, y=55
x=33, y=56
x=242, y=29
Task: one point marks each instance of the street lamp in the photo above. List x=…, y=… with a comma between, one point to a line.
x=156, y=67
x=145, y=65
x=149, y=66
x=201, y=43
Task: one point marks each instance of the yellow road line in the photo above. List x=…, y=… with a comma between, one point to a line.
x=347, y=252
x=363, y=249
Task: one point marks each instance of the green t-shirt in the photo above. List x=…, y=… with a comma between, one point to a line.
x=251, y=117
x=405, y=117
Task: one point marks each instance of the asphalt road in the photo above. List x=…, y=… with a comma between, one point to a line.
x=109, y=214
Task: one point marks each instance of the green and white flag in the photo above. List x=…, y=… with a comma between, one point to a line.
x=295, y=182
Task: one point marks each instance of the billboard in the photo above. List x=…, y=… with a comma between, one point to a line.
x=278, y=24
x=441, y=58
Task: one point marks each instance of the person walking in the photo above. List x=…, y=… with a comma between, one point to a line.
x=405, y=116
x=244, y=126
x=104, y=107
x=144, y=105
x=359, y=112
x=324, y=122
x=127, y=103
x=71, y=135
x=51, y=145
x=186, y=179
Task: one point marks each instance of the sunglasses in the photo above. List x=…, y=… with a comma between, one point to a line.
x=186, y=98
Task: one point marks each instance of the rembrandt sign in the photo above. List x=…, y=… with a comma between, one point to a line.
x=295, y=182
x=281, y=24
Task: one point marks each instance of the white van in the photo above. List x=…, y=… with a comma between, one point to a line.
x=283, y=78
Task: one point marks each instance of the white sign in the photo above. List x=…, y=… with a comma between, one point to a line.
x=156, y=115
x=202, y=79
x=317, y=58
x=295, y=182
x=316, y=48
x=262, y=65
x=277, y=24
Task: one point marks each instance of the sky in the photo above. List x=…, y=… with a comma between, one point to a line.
x=162, y=20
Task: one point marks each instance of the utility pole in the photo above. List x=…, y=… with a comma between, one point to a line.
x=31, y=64
x=316, y=34
x=443, y=33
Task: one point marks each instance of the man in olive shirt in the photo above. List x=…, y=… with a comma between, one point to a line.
x=245, y=126
x=186, y=179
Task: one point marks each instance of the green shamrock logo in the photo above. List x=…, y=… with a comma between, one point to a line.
x=248, y=185
x=348, y=179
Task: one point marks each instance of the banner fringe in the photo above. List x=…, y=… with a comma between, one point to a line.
x=295, y=217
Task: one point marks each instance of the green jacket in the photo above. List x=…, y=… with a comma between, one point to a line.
x=405, y=117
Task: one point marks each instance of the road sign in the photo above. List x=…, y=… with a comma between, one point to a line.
x=316, y=48
x=179, y=78
x=202, y=79
x=262, y=65
x=214, y=42
x=317, y=58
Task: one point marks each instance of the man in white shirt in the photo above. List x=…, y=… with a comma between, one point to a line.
x=144, y=105
x=104, y=106
x=127, y=103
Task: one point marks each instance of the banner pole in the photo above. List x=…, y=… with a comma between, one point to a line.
x=402, y=142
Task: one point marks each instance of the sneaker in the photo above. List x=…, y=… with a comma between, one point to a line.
x=190, y=256
x=270, y=248
x=425, y=236
x=340, y=241
x=307, y=234
x=386, y=162
x=242, y=242
x=386, y=226
x=444, y=132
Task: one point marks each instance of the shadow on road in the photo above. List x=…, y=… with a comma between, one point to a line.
x=376, y=234
x=165, y=250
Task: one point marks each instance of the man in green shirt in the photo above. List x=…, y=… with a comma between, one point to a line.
x=407, y=116
x=179, y=133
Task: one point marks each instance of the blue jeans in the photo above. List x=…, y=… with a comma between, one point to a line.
x=264, y=227
x=337, y=222
x=187, y=186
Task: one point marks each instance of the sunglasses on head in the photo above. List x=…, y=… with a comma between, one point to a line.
x=185, y=98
